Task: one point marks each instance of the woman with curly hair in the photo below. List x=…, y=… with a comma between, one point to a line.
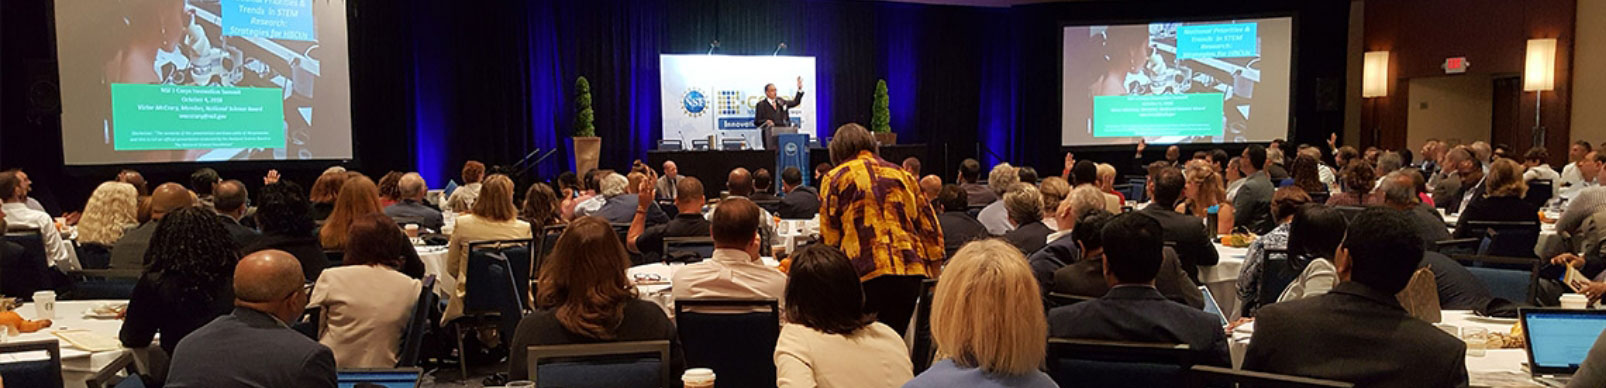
x=111, y=210
x=1358, y=177
x=390, y=188
x=282, y=214
x=188, y=283
x=1205, y=194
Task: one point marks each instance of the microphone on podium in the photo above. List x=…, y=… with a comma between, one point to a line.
x=778, y=49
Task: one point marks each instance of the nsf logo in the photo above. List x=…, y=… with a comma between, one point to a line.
x=693, y=102
x=791, y=149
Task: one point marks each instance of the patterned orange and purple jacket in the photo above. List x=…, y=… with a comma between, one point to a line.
x=876, y=213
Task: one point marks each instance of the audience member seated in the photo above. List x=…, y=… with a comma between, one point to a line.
x=1314, y=236
x=970, y=181
x=586, y=297
x=1027, y=174
x=229, y=199
x=187, y=283
x=689, y=222
x=1363, y=334
x=1053, y=190
x=930, y=185
x=958, y=227
x=202, y=182
x=8, y=249
x=358, y=197
x=1592, y=371
x=367, y=302
x=1536, y=168
x=27, y=189
x=1358, y=180
x=1458, y=288
x=494, y=218
x=666, y=184
x=895, y=241
x=133, y=177
x=1502, y=201
x=593, y=198
x=129, y=252
x=1397, y=191
x=1133, y=310
x=324, y=193
x=14, y=194
x=1000, y=180
x=389, y=188
x=828, y=340
x=540, y=207
x=911, y=165
x=1086, y=173
x=619, y=205
x=1252, y=203
x=763, y=184
x=1186, y=232
x=986, y=322
x=1284, y=203
x=585, y=191
x=111, y=211
x=1204, y=195
x=1062, y=249
x=410, y=207
x=1461, y=173
x=1307, y=175
x=735, y=271
x=282, y=213
x=1274, y=165
x=800, y=202
x=1086, y=276
x=1025, y=206
x=469, y=192
x=1586, y=200
x=253, y=346
x=1107, y=183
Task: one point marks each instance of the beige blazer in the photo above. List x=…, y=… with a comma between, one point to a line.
x=872, y=357
x=471, y=228
x=366, y=309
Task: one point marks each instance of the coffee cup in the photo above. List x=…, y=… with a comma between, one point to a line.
x=1574, y=301
x=412, y=230
x=44, y=304
x=698, y=378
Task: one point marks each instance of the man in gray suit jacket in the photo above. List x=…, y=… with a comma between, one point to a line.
x=254, y=346
x=1253, y=203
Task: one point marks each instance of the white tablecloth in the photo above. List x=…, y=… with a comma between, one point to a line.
x=78, y=365
x=654, y=282
x=1222, y=278
x=1496, y=367
x=434, y=258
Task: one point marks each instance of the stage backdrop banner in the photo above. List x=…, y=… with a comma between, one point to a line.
x=714, y=94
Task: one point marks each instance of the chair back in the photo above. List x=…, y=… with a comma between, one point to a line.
x=1201, y=376
x=520, y=256
x=1507, y=238
x=336, y=258
x=1137, y=189
x=1509, y=278
x=769, y=205
x=1092, y=363
x=921, y=347
x=1320, y=196
x=701, y=247
x=23, y=274
x=94, y=256
x=490, y=288
x=622, y=229
x=1276, y=272
x=739, y=345
x=26, y=367
x=1350, y=212
x=669, y=145
x=1539, y=192
x=1056, y=299
x=603, y=365
x=417, y=325
x=546, y=238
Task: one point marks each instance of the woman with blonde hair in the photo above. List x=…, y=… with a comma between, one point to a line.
x=494, y=218
x=1501, y=201
x=358, y=196
x=987, y=321
x=1205, y=194
x=112, y=210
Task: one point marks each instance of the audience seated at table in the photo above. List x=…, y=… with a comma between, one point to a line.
x=896, y=241
x=358, y=196
x=1397, y=191
x=763, y=185
x=129, y=252
x=1358, y=333
x=1053, y=190
x=202, y=182
x=735, y=271
x=469, y=192
x=14, y=193
x=1002, y=178
x=1107, y=183
x=252, y=346
x=494, y=218
x=188, y=280
x=324, y=193
x=979, y=194
x=1025, y=206
x=1061, y=249
x=1461, y=172
x=389, y=190
x=986, y=322
x=828, y=340
x=584, y=190
x=1313, y=244
x=799, y=201
x=282, y=213
x=410, y=207
x=665, y=184
x=619, y=205
x=930, y=185
x=1252, y=203
x=1501, y=202
x=1284, y=203
x=1587, y=199
x=1458, y=289
x=586, y=297
x=540, y=208
x=367, y=301
x=1086, y=173
x=689, y=222
x=133, y=177
x=1086, y=275
x=1204, y=195
x=1133, y=310
x=112, y=210
x=1358, y=180
x=740, y=185
x=958, y=227
x=8, y=249
x=1306, y=174
x=1187, y=233
x=229, y=200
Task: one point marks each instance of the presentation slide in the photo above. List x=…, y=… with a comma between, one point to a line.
x=155, y=81
x=1224, y=81
x=707, y=95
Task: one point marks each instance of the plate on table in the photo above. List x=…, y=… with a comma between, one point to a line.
x=1495, y=320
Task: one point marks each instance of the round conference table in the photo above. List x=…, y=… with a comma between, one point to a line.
x=1496, y=368
x=77, y=365
x=654, y=282
x=434, y=258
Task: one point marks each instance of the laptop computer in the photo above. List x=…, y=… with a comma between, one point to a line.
x=1210, y=305
x=380, y=378
x=1558, y=340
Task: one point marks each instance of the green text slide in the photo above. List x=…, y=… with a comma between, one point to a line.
x=175, y=117
x=1197, y=114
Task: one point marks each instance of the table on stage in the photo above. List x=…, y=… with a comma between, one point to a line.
x=1497, y=367
x=713, y=167
x=78, y=366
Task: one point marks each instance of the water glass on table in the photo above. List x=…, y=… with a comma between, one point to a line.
x=1477, y=340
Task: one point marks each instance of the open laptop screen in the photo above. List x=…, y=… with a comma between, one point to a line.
x=1210, y=305
x=1558, y=340
x=380, y=378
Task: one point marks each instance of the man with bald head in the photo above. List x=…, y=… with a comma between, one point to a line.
x=411, y=209
x=229, y=199
x=129, y=252
x=931, y=185
x=665, y=185
x=254, y=345
x=18, y=215
x=1397, y=190
x=740, y=185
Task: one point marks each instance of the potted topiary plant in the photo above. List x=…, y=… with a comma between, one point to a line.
x=881, y=117
x=587, y=146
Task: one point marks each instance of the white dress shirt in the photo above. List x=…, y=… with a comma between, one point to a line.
x=1325, y=174
x=1542, y=172
x=730, y=274
x=1570, y=175
x=19, y=215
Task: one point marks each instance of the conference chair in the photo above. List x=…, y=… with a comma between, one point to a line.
x=1093, y=363
x=669, y=145
x=1350, y=212
x=1276, y=271
x=770, y=205
x=97, y=280
x=336, y=258
x=734, y=337
x=1056, y=299
x=1201, y=376
x=1539, y=192
x=1137, y=188
x=26, y=367
x=918, y=335
x=22, y=275
x=1319, y=196
x=418, y=324
x=490, y=298
x=604, y=365
x=1507, y=238
x=688, y=249
x=1509, y=278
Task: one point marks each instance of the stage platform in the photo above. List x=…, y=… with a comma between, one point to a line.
x=713, y=167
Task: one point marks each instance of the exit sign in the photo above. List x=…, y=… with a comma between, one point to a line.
x=1455, y=65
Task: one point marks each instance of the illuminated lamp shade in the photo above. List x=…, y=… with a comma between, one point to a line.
x=1540, y=70
x=1375, y=75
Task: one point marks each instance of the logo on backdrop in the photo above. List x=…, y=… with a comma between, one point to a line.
x=693, y=102
x=791, y=149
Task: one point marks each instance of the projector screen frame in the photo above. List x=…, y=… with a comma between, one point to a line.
x=1293, y=68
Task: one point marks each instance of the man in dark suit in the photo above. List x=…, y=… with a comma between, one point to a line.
x=1085, y=275
x=253, y=346
x=970, y=180
x=800, y=202
x=411, y=209
x=229, y=200
x=1186, y=232
x=958, y=227
x=129, y=251
x=1358, y=333
x=1133, y=310
x=1025, y=208
x=1253, y=202
x=771, y=112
